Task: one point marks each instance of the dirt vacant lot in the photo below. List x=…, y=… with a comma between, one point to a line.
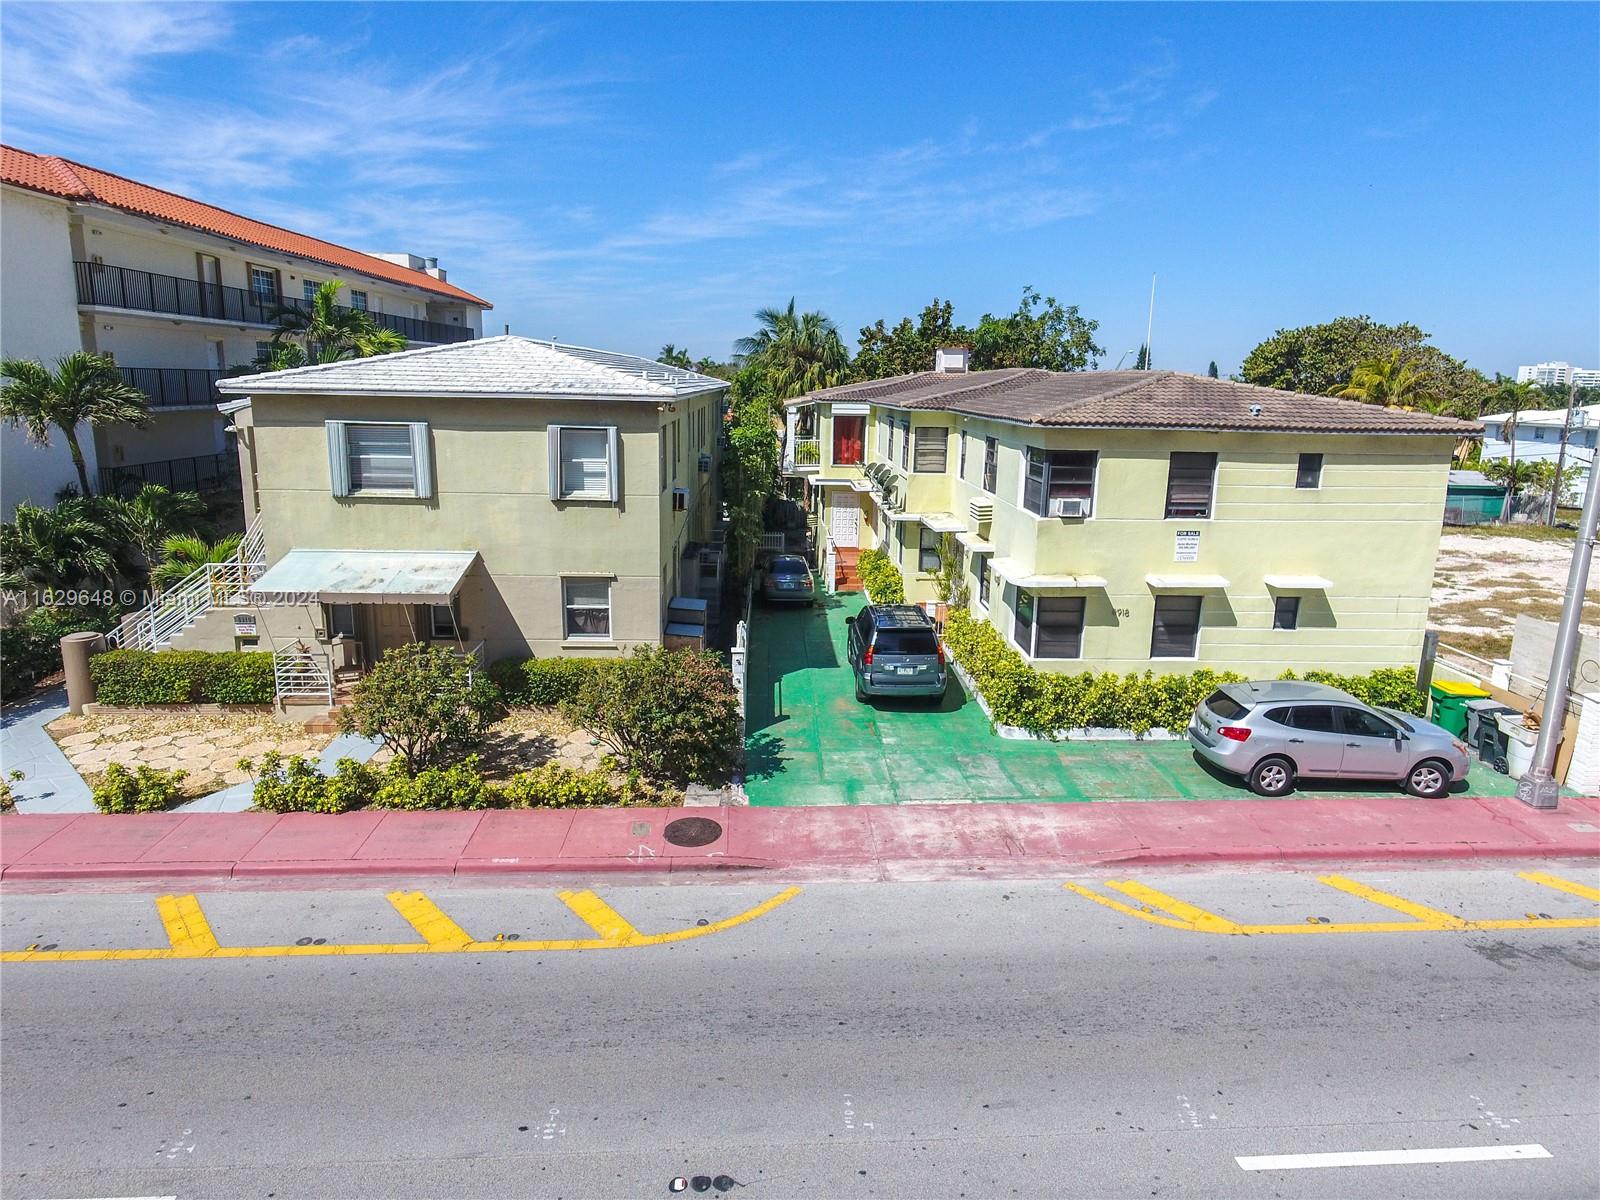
x=1484, y=580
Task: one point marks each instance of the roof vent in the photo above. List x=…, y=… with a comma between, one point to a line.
x=1255, y=410
x=950, y=360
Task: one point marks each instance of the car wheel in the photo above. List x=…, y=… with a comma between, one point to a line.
x=1272, y=777
x=861, y=695
x=1429, y=779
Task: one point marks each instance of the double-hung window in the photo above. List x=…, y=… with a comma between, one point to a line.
x=308, y=289
x=932, y=450
x=1191, y=479
x=905, y=443
x=1175, y=633
x=587, y=608
x=381, y=458
x=991, y=462
x=583, y=462
x=264, y=285
x=928, y=549
x=1059, y=475
x=1049, y=626
x=1308, y=474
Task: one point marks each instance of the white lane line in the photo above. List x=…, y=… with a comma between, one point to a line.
x=1388, y=1158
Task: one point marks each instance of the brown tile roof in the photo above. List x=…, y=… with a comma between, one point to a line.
x=1138, y=400
x=74, y=181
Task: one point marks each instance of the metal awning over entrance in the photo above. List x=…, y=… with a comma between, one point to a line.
x=364, y=577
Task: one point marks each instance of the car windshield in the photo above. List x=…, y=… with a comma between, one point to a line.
x=1225, y=706
x=906, y=641
x=788, y=565
x=1398, y=720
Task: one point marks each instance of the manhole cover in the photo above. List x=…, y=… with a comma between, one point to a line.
x=692, y=831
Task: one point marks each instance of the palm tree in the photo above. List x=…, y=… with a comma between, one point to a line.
x=327, y=332
x=155, y=514
x=64, y=547
x=1383, y=379
x=796, y=352
x=83, y=389
x=671, y=356
x=184, y=555
x=1515, y=476
x=379, y=339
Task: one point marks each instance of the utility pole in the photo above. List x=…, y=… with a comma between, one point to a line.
x=1150, y=325
x=1538, y=788
x=1561, y=454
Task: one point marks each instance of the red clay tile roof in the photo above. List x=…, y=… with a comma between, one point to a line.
x=74, y=181
x=1139, y=400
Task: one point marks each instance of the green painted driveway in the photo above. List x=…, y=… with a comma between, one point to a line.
x=810, y=742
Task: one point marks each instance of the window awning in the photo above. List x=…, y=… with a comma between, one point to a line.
x=1014, y=572
x=975, y=543
x=1297, y=583
x=943, y=522
x=364, y=577
x=1169, y=583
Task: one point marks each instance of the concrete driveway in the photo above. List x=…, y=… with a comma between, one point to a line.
x=810, y=741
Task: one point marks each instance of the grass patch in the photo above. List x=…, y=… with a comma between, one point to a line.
x=1528, y=533
x=1482, y=645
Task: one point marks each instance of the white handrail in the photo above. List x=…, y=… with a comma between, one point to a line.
x=209, y=585
x=302, y=673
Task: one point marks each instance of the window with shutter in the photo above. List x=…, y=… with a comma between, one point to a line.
x=991, y=462
x=905, y=443
x=932, y=449
x=1176, y=629
x=1190, y=480
x=587, y=604
x=1049, y=626
x=1053, y=474
x=381, y=458
x=582, y=462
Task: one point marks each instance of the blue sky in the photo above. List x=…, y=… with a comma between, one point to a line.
x=624, y=176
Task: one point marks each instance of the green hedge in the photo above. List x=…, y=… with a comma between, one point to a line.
x=31, y=649
x=130, y=678
x=881, y=577
x=1043, y=702
x=544, y=681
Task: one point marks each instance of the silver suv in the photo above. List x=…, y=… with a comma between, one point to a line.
x=893, y=650
x=1276, y=732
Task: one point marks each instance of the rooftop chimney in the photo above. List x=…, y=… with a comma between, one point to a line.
x=951, y=360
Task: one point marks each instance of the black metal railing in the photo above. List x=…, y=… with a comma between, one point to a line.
x=145, y=291
x=175, y=387
x=204, y=473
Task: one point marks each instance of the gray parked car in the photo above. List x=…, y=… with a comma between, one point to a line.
x=788, y=577
x=894, y=651
x=1276, y=732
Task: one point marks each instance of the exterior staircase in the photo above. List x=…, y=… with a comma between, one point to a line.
x=214, y=585
x=846, y=569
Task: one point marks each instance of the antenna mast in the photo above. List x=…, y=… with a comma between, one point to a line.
x=1150, y=326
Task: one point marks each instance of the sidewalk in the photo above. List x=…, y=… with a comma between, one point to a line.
x=870, y=842
x=49, y=784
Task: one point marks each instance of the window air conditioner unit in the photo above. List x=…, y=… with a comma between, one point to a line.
x=981, y=511
x=1068, y=506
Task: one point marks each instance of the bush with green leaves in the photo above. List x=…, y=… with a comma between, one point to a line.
x=31, y=648
x=426, y=703
x=142, y=790
x=543, y=681
x=458, y=786
x=554, y=785
x=669, y=714
x=881, y=577
x=1044, y=702
x=130, y=678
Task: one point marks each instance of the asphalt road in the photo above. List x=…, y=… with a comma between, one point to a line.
x=960, y=1039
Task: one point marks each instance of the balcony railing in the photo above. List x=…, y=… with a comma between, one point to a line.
x=144, y=291
x=204, y=473
x=175, y=387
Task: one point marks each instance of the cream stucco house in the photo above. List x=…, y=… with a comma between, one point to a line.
x=503, y=495
x=1132, y=520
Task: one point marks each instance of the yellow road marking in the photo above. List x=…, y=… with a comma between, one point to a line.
x=191, y=935
x=1561, y=885
x=1179, y=914
x=428, y=920
x=1429, y=916
x=187, y=927
x=600, y=917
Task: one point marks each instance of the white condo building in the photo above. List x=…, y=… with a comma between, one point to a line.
x=176, y=291
x=1558, y=374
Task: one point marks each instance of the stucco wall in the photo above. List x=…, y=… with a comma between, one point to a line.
x=38, y=320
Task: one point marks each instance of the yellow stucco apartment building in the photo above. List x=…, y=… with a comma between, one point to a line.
x=1132, y=520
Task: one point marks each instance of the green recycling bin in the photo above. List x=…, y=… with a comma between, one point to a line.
x=1450, y=699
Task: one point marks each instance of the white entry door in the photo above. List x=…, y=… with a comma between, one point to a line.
x=844, y=520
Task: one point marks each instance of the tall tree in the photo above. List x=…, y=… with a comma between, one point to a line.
x=671, y=356
x=152, y=515
x=1142, y=363
x=796, y=352
x=84, y=389
x=907, y=348
x=1041, y=333
x=68, y=546
x=1212, y=369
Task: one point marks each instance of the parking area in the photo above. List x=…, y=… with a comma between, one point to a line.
x=810, y=742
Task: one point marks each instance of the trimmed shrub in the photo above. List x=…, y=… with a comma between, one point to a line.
x=544, y=681
x=556, y=786
x=425, y=703
x=142, y=790
x=130, y=678
x=668, y=714
x=1043, y=702
x=31, y=648
x=287, y=785
x=459, y=786
x=881, y=577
